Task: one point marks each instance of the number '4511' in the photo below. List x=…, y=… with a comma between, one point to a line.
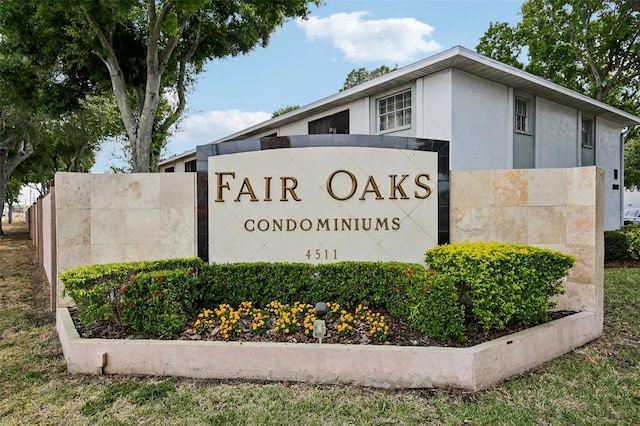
x=324, y=254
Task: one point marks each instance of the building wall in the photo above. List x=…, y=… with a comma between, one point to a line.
x=47, y=237
x=358, y=120
x=556, y=135
x=480, y=123
x=124, y=217
x=178, y=164
x=608, y=156
x=434, y=109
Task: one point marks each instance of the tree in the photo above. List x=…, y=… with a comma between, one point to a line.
x=146, y=49
x=16, y=137
x=592, y=47
x=360, y=75
x=284, y=110
x=632, y=163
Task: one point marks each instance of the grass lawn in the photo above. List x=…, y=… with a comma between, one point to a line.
x=597, y=384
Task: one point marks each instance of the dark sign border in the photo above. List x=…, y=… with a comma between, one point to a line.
x=203, y=152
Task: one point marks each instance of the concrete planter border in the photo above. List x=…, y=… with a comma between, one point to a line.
x=391, y=367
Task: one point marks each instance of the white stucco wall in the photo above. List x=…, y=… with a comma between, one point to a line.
x=480, y=123
x=608, y=157
x=178, y=164
x=358, y=120
x=373, y=112
x=434, y=113
x=297, y=128
x=556, y=135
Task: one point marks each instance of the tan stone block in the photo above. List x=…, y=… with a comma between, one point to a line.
x=73, y=256
x=74, y=226
x=508, y=188
x=470, y=188
x=581, y=186
x=508, y=224
x=107, y=253
x=138, y=252
x=556, y=247
x=107, y=226
x=178, y=226
x=178, y=250
x=108, y=190
x=584, y=269
x=580, y=297
x=470, y=223
x=581, y=225
x=547, y=187
x=546, y=225
x=142, y=191
x=177, y=190
x=73, y=190
x=142, y=226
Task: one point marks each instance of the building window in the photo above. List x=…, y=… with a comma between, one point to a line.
x=521, y=115
x=169, y=169
x=587, y=133
x=337, y=123
x=394, y=111
x=190, y=166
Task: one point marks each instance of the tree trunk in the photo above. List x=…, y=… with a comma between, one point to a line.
x=4, y=153
x=8, y=164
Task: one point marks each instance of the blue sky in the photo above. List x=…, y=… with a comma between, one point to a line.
x=309, y=60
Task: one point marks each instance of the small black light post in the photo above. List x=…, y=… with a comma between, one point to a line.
x=319, y=325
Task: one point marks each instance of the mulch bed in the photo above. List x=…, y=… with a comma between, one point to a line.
x=400, y=334
x=627, y=263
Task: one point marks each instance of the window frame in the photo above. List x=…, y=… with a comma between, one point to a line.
x=406, y=110
x=590, y=133
x=519, y=117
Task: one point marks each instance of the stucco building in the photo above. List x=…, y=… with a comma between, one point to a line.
x=494, y=116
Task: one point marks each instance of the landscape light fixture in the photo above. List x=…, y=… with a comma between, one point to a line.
x=319, y=325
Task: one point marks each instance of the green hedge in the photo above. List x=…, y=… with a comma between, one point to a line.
x=159, y=303
x=488, y=283
x=426, y=301
x=346, y=283
x=96, y=288
x=498, y=282
x=429, y=302
x=616, y=245
x=632, y=232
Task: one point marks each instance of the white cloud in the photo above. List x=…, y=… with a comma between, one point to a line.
x=204, y=128
x=390, y=40
x=193, y=131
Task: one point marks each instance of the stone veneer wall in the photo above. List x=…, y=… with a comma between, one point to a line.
x=123, y=217
x=559, y=209
x=126, y=217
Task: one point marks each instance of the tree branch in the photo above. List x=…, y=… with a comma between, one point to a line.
x=117, y=77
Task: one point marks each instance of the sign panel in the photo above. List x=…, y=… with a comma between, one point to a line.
x=322, y=204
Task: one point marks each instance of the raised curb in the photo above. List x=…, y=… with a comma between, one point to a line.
x=391, y=367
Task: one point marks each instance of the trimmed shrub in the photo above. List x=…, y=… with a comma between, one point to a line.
x=632, y=233
x=428, y=301
x=616, y=245
x=346, y=283
x=488, y=283
x=258, y=282
x=159, y=303
x=96, y=288
x=498, y=282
